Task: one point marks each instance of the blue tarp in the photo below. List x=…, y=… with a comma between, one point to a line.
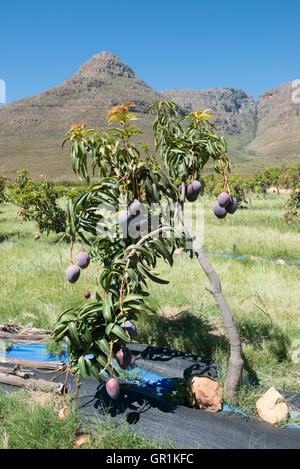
x=135, y=375
x=33, y=352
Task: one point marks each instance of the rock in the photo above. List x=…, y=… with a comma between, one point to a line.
x=280, y=261
x=271, y=407
x=81, y=440
x=64, y=412
x=205, y=393
x=179, y=251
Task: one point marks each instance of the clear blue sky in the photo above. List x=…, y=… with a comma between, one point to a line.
x=252, y=45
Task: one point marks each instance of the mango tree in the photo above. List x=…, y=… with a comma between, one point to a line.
x=128, y=218
x=292, y=205
x=3, y=183
x=38, y=202
x=185, y=151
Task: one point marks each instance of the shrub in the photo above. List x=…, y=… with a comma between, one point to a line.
x=38, y=202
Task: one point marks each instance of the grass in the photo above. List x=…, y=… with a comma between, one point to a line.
x=40, y=425
x=264, y=297
x=37, y=415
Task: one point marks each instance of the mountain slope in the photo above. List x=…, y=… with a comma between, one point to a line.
x=32, y=129
x=232, y=110
x=260, y=134
x=278, y=126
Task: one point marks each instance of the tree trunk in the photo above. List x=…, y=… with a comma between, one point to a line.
x=235, y=364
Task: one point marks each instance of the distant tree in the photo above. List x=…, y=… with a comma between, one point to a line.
x=292, y=205
x=38, y=202
x=289, y=178
x=3, y=183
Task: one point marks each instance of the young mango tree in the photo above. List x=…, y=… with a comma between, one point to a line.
x=292, y=205
x=3, y=183
x=38, y=202
x=128, y=218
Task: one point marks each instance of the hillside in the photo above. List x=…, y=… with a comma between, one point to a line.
x=262, y=134
x=31, y=129
x=233, y=110
x=278, y=124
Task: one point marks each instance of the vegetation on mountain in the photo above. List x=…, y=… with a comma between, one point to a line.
x=260, y=135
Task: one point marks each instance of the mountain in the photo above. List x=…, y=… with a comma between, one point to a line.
x=266, y=133
x=233, y=111
x=31, y=129
x=278, y=122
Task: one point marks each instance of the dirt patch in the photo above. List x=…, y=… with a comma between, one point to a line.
x=43, y=398
x=172, y=312
x=217, y=330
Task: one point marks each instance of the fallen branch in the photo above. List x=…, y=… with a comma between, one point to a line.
x=22, y=337
x=33, y=384
x=16, y=371
x=55, y=366
x=21, y=328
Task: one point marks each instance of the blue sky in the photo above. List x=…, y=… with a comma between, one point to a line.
x=169, y=44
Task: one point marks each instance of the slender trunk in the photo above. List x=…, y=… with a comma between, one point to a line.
x=235, y=364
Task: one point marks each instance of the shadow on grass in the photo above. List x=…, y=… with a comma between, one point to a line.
x=265, y=336
x=196, y=336
x=9, y=236
x=187, y=334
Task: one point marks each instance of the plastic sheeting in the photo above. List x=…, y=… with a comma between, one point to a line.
x=140, y=403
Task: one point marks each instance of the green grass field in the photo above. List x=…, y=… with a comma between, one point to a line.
x=36, y=415
x=264, y=296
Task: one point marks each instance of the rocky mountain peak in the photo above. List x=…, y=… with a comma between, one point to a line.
x=31, y=129
x=104, y=64
x=232, y=109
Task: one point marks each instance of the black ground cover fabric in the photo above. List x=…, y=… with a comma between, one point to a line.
x=186, y=428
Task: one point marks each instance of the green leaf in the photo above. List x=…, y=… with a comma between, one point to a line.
x=132, y=297
x=139, y=249
x=103, y=345
x=74, y=333
x=107, y=308
x=120, y=333
x=93, y=370
x=82, y=366
x=145, y=273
